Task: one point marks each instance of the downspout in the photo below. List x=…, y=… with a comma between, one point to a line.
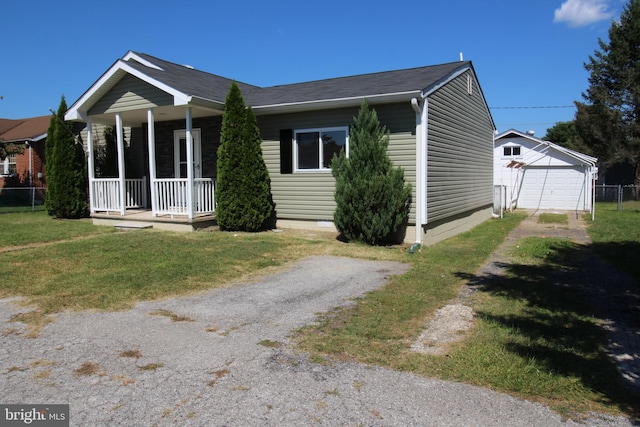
x=91, y=165
x=421, y=166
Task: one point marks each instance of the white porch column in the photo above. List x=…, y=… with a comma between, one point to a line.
x=121, y=172
x=151, y=131
x=91, y=165
x=189, y=144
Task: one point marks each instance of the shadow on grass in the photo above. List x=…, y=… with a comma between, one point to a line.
x=564, y=309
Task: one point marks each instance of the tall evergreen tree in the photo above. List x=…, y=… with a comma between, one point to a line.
x=372, y=200
x=66, y=171
x=243, y=192
x=609, y=119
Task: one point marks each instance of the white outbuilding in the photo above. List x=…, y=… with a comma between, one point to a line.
x=538, y=174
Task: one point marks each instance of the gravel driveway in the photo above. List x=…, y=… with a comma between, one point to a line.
x=221, y=358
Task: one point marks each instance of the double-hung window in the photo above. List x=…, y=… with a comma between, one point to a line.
x=314, y=149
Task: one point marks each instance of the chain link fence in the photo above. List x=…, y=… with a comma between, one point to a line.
x=22, y=199
x=617, y=194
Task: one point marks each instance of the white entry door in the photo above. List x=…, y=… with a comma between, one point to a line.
x=180, y=153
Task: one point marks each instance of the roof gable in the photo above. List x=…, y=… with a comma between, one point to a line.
x=544, y=146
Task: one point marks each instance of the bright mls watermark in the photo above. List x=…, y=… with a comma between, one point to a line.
x=34, y=415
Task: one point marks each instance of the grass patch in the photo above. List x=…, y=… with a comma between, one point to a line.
x=270, y=343
x=86, y=369
x=534, y=337
x=34, y=321
x=151, y=366
x=378, y=328
x=20, y=229
x=114, y=270
x=135, y=354
x=616, y=235
x=553, y=218
x=171, y=315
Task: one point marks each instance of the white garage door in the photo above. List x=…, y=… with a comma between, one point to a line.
x=552, y=188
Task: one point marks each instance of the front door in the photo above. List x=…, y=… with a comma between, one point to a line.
x=180, y=153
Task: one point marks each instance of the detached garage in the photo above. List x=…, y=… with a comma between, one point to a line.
x=537, y=174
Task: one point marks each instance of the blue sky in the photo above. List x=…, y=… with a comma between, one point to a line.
x=527, y=53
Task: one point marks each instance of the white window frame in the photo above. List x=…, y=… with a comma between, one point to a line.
x=320, y=131
x=11, y=159
x=511, y=156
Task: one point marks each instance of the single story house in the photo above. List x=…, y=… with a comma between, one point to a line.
x=538, y=174
x=27, y=168
x=441, y=133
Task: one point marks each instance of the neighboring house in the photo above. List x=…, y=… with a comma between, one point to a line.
x=441, y=133
x=538, y=174
x=26, y=168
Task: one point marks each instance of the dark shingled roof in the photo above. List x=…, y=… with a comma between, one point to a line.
x=210, y=86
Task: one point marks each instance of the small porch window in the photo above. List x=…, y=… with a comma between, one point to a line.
x=315, y=148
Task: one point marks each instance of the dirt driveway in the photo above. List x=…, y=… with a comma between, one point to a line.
x=222, y=358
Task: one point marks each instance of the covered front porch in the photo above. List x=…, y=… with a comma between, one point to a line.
x=166, y=178
x=185, y=195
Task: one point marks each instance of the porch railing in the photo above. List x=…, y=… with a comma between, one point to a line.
x=171, y=196
x=106, y=194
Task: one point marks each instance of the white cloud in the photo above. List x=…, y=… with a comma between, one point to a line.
x=578, y=13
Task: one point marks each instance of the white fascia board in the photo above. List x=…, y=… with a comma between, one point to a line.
x=206, y=103
x=146, y=63
x=78, y=110
x=437, y=85
x=334, y=103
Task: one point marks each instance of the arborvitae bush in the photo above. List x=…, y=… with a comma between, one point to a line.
x=243, y=191
x=66, y=170
x=372, y=200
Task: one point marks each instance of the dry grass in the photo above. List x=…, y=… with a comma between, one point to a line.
x=136, y=354
x=171, y=315
x=34, y=321
x=217, y=375
x=151, y=366
x=86, y=369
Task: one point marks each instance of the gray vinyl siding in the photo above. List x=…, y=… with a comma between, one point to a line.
x=460, y=151
x=310, y=195
x=129, y=94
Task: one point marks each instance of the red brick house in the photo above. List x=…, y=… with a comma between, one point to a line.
x=26, y=168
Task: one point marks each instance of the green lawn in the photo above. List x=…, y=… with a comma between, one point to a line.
x=531, y=338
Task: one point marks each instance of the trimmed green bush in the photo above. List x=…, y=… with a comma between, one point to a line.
x=372, y=200
x=243, y=191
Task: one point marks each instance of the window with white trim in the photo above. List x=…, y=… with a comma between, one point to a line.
x=9, y=167
x=511, y=151
x=314, y=149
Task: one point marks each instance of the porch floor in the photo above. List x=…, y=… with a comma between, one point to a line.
x=143, y=218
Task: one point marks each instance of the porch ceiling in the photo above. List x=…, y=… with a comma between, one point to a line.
x=135, y=118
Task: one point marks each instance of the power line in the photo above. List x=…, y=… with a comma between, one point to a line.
x=532, y=107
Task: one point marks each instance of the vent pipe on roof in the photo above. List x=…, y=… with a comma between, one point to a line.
x=461, y=57
x=531, y=132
